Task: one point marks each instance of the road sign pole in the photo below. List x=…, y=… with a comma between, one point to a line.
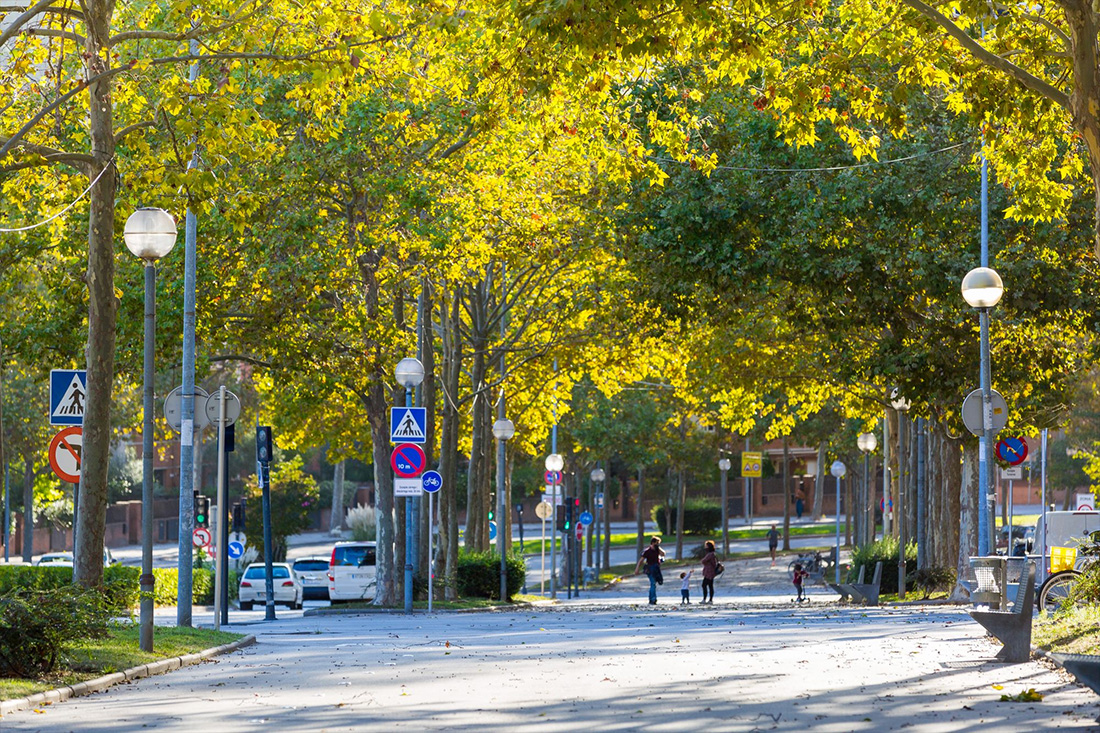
x=223, y=524
x=542, y=557
x=431, y=549
x=219, y=562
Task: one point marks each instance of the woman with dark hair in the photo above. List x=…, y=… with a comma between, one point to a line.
x=710, y=570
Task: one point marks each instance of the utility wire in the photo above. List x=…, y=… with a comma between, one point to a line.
x=44, y=222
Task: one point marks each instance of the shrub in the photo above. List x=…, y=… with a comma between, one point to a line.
x=34, y=623
x=120, y=583
x=886, y=551
x=363, y=523
x=294, y=496
x=478, y=574
x=932, y=580
x=166, y=582
x=701, y=516
x=1086, y=591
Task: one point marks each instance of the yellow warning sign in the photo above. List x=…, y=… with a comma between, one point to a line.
x=752, y=464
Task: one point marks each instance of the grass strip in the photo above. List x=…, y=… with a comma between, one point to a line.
x=90, y=658
x=1073, y=631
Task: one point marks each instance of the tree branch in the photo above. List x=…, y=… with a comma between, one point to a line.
x=132, y=128
x=56, y=33
x=1022, y=76
x=17, y=25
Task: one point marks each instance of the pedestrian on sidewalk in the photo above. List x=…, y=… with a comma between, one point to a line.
x=652, y=558
x=799, y=574
x=685, y=587
x=773, y=542
x=710, y=572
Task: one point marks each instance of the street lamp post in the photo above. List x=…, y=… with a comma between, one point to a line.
x=554, y=463
x=150, y=234
x=867, y=442
x=598, y=475
x=838, y=469
x=724, y=467
x=901, y=404
x=503, y=430
x=982, y=288
x=409, y=373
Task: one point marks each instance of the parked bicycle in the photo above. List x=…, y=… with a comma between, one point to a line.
x=813, y=563
x=1056, y=590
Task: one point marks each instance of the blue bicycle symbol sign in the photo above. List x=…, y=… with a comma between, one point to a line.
x=431, y=481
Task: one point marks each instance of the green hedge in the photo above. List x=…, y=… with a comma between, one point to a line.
x=479, y=574
x=886, y=551
x=120, y=582
x=701, y=516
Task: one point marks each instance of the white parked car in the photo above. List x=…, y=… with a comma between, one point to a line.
x=65, y=559
x=352, y=571
x=313, y=574
x=284, y=581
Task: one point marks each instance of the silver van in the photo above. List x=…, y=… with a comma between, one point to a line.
x=353, y=571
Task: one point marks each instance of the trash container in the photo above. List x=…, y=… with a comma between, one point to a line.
x=990, y=581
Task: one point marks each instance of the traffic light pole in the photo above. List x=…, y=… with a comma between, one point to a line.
x=264, y=446
x=220, y=567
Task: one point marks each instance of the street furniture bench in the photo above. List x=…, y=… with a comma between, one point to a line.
x=1085, y=667
x=1013, y=628
x=860, y=592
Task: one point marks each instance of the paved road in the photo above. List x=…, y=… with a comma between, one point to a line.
x=751, y=662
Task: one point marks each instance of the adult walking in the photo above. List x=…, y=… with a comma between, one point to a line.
x=652, y=558
x=710, y=571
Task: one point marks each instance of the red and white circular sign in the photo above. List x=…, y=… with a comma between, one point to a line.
x=65, y=454
x=201, y=537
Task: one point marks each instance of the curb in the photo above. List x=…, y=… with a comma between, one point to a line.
x=105, y=682
x=330, y=611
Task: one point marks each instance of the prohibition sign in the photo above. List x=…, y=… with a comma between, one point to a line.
x=408, y=460
x=1012, y=451
x=65, y=454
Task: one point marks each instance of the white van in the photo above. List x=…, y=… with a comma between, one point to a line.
x=353, y=571
x=1064, y=529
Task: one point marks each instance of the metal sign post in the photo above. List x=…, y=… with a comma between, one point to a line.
x=543, y=511
x=431, y=482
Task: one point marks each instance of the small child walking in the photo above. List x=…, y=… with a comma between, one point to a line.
x=799, y=574
x=685, y=587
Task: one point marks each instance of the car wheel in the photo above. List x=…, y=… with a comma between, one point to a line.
x=246, y=605
x=297, y=606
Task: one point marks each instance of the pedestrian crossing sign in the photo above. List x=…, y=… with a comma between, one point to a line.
x=68, y=393
x=408, y=424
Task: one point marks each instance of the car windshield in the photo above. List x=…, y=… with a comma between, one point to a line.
x=310, y=565
x=353, y=556
x=255, y=573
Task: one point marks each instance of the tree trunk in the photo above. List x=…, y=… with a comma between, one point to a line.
x=848, y=509
x=427, y=357
x=336, y=519
x=787, y=492
x=968, y=525
x=378, y=416
x=102, y=303
x=819, y=486
x=681, y=494
x=378, y=401
x=640, y=518
x=28, y=510
x=448, y=449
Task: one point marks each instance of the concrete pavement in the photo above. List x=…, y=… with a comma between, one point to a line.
x=609, y=662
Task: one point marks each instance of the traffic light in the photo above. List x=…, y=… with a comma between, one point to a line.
x=238, y=516
x=568, y=514
x=263, y=443
x=202, y=511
